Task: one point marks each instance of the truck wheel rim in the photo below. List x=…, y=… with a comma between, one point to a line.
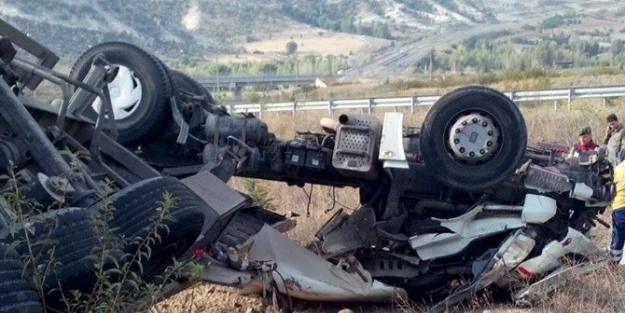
x=125, y=91
x=473, y=138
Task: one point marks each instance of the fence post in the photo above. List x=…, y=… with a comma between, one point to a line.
x=570, y=97
x=555, y=105
x=412, y=104
x=294, y=107
x=260, y=110
x=231, y=108
x=370, y=108
x=330, y=111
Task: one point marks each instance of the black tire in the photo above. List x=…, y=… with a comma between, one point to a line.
x=152, y=112
x=473, y=175
x=172, y=82
x=188, y=84
x=72, y=238
x=17, y=291
x=175, y=94
x=136, y=205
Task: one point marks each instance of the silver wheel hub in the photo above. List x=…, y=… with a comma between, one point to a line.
x=114, y=91
x=473, y=138
x=125, y=91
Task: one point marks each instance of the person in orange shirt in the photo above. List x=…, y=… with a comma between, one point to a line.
x=618, y=212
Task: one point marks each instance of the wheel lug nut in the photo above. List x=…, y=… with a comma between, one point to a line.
x=490, y=133
x=471, y=154
x=484, y=124
x=457, y=130
x=474, y=120
x=461, y=150
x=482, y=151
x=456, y=141
x=464, y=123
x=489, y=143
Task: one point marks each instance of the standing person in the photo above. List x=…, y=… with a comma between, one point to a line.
x=585, y=142
x=615, y=134
x=618, y=212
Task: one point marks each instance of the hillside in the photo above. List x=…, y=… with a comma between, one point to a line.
x=199, y=28
x=71, y=27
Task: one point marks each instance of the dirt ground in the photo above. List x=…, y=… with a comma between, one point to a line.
x=215, y=299
x=313, y=43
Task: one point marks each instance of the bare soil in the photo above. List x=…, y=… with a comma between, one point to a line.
x=318, y=42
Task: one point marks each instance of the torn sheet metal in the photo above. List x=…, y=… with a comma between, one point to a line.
x=553, y=281
x=550, y=258
x=511, y=252
x=354, y=232
x=466, y=228
x=302, y=274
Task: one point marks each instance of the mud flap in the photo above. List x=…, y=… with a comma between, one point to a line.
x=512, y=252
x=300, y=273
x=222, y=200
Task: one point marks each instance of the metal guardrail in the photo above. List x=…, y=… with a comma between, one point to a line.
x=226, y=80
x=369, y=104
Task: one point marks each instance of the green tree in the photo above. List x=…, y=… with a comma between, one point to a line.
x=617, y=47
x=291, y=47
x=545, y=53
x=266, y=68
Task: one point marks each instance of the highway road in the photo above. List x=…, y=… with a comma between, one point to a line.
x=407, y=54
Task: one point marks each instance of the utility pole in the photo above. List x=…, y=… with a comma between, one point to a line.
x=217, y=65
x=431, y=62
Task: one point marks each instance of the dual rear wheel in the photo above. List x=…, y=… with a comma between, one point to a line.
x=69, y=243
x=473, y=138
x=141, y=92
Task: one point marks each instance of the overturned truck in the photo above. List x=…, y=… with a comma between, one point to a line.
x=132, y=165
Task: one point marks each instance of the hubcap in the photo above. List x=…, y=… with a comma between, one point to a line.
x=473, y=138
x=125, y=91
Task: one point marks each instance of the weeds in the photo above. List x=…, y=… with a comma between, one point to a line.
x=541, y=75
x=258, y=194
x=37, y=232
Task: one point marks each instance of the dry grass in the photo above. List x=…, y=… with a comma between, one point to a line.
x=242, y=58
x=414, y=86
x=601, y=291
x=310, y=42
